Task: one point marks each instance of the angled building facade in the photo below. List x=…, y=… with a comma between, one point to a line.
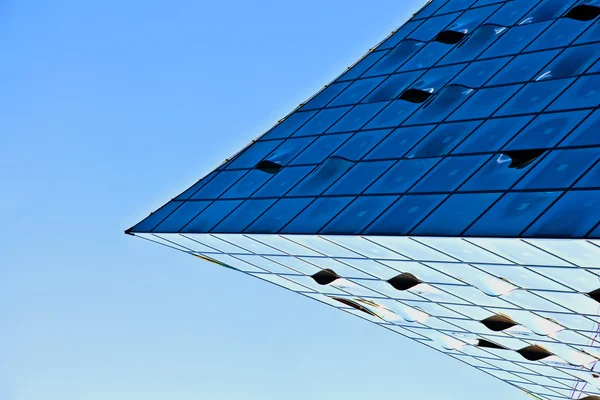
x=445, y=187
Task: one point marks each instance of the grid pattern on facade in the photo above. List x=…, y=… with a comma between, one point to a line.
x=522, y=310
x=495, y=132
x=445, y=187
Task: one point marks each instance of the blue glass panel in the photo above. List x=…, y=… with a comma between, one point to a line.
x=478, y=73
x=523, y=67
x=546, y=130
x=547, y=9
x=511, y=12
x=252, y=154
x=444, y=103
x=247, y=185
x=450, y=173
x=484, y=102
x=278, y=216
x=320, y=212
x=583, y=210
x=156, y=217
x=404, y=215
x=584, y=93
x=201, y=183
x=367, y=62
x=571, y=62
x=591, y=35
x=455, y=5
x=211, y=216
x=289, y=125
x=443, y=139
x=430, y=8
x=356, y=91
x=357, y=117
x=395, y=58
x=591, y=179
x=427, y=57
x=515, y=39
x=393, y=115
x=400, y=34
x=402, y=176
x=596, y=233
x=321, y=149
x=477, y=42
x=359, y=177
x=243, y=216
x=594, y=68
x=430, y=28
x=471, y=19
x=492, y=135
x=399, y=142
x=455, y=214
x=534, y=97
x=219, y=184
x=560, y=169
x=436, y=78
x=288, y=150
x=322, y=177
x=561, y=33
x=358, y=215
x=495, y=175
x=326, y=95
x=283, y=181
x=393, y=87
x=586, y=133
x=512, y=214
x=322, y=121
x=361, y=143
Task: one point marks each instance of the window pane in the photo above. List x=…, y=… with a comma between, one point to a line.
x=358, y=215
x=546, y=130
x=496, y=175
x=322, y=177
x=359, y=177
x=484, y=102
x=361, y=143
x=283, y=181
x=492, y=135
x=515, y=39
x=278, y=216
x=443, y=139
x=357, y=117
x=534, y=97
x=211, y=216
x=320, y=212
x=455, y=214
x=402, y=176
x=356, y=92
x=180, y=217
x=523, y=67
x=320, y=149
x=584, y=93
x=512, y=214
x=450, y=174
x=583, y=209
x=243, y=216
x=399, y=142
x=218, y=184
x=322, y=121
x=560, y=169
x=478, y=73
x=404, y=215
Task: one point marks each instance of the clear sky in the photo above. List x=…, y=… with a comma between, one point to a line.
x=110, y=108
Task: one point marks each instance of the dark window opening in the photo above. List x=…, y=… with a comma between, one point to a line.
x=498, y=323
x=522, y=158
x=450, y=37
x=489, y=345
x=404, y=281
x=583, y=12
x=270, y=167
x=534, y=353
x=595, y=295
x=415, y=96
x=353, y=304
x=325, y=277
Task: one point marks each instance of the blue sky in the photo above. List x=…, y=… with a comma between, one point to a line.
x=110, y=108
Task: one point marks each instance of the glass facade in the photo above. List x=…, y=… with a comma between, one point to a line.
x=445, y=187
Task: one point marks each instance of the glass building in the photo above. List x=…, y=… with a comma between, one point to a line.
x=445, y=187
